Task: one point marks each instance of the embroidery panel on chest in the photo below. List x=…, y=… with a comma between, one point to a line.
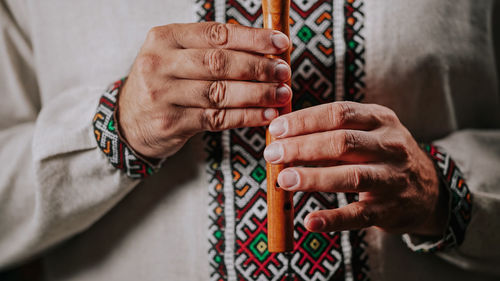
x=317, y=256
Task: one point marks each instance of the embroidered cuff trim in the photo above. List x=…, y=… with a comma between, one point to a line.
x=460, y=204
x=106, y=133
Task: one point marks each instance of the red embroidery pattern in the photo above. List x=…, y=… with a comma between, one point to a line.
x=316, y=256
x=106, y=134
x=461, y=202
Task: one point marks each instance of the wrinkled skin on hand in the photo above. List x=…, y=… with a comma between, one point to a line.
x=190, y=78
x=361, y=148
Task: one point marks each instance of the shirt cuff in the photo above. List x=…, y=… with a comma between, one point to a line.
x=451, y=179
x=116, y=149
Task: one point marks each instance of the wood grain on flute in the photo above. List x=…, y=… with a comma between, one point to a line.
x=279, y=202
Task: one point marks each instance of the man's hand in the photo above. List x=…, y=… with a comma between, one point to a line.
x=189, y=78
x=361, y=148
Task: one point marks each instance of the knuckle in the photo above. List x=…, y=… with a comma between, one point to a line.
x=217, y=34
x=350, y=141
x=404, y=151
x=148, y=63
x=331, y=113
x=400, y=180
x=387, y=115
x=356, y=178
x=346, y=144
x=391, y=116
x=216, y=62
x=144, y=69
x=217, y=94
x=158, y=33
x=340, y=113
x=245, y=118
x=152, y=94
x=399, y=148
x=258, y=69
x=215, y=119
x=364, y=214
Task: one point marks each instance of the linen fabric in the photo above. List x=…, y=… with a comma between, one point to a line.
x=430, y=61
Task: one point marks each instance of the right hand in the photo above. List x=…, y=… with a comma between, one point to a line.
x=196, y=77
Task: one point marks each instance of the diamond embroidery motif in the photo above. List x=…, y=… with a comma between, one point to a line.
x=259, y=247
x=317, y=256
x=305, y=34
x=315, y=244
x=258, y=174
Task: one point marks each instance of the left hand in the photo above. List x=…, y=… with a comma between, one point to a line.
x=360, y=148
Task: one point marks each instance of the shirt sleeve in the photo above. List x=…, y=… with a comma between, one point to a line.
x=454, y=188
x=477, y=155
x=112, y=144
x=469, y=163
x=54, y=180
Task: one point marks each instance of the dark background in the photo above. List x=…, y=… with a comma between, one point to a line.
x=496, y=35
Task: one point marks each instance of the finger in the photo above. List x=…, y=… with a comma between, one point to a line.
x=218, y=64
x=225, y=36
x=343, y=178
x=340, y=145
x=356, y=215
x=332, y=116
x=198, y=119
x=229, y=94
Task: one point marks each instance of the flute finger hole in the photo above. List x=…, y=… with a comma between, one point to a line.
x=287, y=206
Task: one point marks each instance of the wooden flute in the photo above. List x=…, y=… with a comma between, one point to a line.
x=279, y=201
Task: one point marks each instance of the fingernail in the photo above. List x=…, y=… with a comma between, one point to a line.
x=283, y=94
x=282, y=72
x=280, y=40
x=270, y=113
x=314, y=223
x=278, y=127
x=273, y=153
x=288, y=179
